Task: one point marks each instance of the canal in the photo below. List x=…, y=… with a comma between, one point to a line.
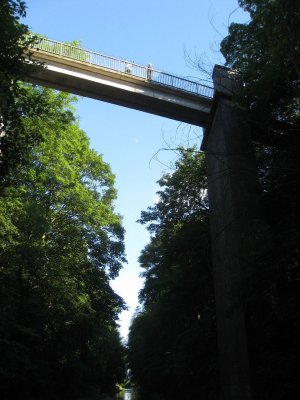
x=128, y=394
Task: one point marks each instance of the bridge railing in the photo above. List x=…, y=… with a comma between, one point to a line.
x=122, y=66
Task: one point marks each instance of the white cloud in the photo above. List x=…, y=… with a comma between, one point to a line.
x=128, y=288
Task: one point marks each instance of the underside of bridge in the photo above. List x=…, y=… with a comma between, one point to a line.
x=123, y=89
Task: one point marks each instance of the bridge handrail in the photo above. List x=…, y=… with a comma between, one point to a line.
x=121, y=66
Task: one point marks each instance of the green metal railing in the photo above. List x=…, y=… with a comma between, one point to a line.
x=122, y=66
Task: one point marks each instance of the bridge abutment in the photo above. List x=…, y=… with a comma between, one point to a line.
x=235, y=220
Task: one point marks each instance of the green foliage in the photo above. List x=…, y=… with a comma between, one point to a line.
x=60, y=242
x=73, y=49
x=266, y=53
x=172, y=341
x=15, y=142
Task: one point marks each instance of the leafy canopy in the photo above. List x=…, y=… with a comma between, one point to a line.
x=174, y=329
x=60, y=243
x=15, y=142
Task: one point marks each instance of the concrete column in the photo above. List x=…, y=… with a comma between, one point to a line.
x=235, y=220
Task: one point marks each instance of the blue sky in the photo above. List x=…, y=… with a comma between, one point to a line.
x=166, y=33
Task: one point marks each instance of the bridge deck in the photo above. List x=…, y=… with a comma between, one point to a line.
x=121, y=82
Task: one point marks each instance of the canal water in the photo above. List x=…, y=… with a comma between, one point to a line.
x=128, y=394
x=131, y=394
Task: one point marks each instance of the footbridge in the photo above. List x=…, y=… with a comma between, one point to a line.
x=236, y=222
x=98, y=76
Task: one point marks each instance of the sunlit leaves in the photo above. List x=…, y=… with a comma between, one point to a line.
x=15, y=142
x=60, y=241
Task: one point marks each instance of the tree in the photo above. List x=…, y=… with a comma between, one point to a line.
x=15, y=142
x=60, y=242
x=172, y=340
x=266, y=54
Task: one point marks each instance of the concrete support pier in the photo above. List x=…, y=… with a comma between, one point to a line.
x=234, y=217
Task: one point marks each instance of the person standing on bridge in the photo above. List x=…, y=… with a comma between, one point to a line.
x=149, y=72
